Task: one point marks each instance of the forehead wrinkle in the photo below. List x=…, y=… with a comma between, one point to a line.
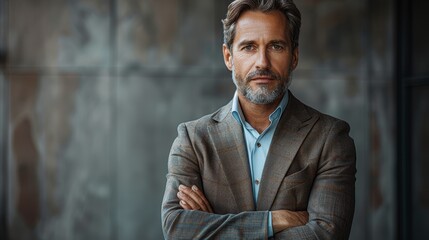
x=249, y=27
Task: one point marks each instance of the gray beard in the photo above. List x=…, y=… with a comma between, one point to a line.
x=261, y=95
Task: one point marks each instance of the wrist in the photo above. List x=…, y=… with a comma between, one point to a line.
x=278, y=221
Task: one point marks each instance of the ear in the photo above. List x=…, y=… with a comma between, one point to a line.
x=295, y=58
x=227, y=57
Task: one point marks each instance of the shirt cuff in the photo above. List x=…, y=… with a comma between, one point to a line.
x=270, y=225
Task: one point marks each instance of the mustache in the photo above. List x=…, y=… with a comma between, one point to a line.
x=262, y=73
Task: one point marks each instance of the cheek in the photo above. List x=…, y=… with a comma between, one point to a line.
x=242, y=64
x=283, y=67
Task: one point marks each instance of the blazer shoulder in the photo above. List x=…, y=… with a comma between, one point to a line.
x=203, y=122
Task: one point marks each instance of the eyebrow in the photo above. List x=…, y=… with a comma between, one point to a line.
x=247, y=42
x=278, y=42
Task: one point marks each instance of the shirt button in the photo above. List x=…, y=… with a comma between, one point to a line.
x=258, y=144
x=257, y=182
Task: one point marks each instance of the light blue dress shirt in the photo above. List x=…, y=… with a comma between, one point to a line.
x=258, y=145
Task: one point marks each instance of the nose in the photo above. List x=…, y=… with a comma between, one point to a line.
x=263, y=61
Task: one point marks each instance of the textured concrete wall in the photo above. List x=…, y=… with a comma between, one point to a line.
x=97, y=88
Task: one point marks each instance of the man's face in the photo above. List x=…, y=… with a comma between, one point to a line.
x=261, y=58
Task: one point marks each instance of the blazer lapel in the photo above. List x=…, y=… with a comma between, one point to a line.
x=291, y=131
x=228, y=137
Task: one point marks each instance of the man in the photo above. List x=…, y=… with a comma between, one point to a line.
x=265, y=165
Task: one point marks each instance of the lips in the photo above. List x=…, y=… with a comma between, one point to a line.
x=262, y=76
x=262, y=79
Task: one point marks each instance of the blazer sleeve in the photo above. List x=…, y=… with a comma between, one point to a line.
x=332, y=198
x=177, y=223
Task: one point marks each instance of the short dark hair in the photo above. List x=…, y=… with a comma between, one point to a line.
x=237, y=7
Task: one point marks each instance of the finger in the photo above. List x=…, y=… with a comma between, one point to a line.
x=201, y=195
x=195, y=197
x=198, y=197
x=188, y=201
x=184, y=205
x=201, y=199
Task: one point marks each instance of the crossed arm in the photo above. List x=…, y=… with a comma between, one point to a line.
x=186, y=218
x=192, y=198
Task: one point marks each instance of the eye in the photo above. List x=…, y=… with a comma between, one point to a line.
x=249, y=48
x=277, y=47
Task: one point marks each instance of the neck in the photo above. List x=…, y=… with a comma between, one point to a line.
x=257, y=115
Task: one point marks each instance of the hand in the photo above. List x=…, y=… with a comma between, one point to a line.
x=193, y=199
x=284, y=219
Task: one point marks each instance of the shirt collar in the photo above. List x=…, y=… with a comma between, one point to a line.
x=238, y=113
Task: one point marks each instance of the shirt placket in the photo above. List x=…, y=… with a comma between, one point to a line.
x=257, y=160
x=257, y=157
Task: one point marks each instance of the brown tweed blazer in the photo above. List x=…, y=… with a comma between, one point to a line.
x=310, y=166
